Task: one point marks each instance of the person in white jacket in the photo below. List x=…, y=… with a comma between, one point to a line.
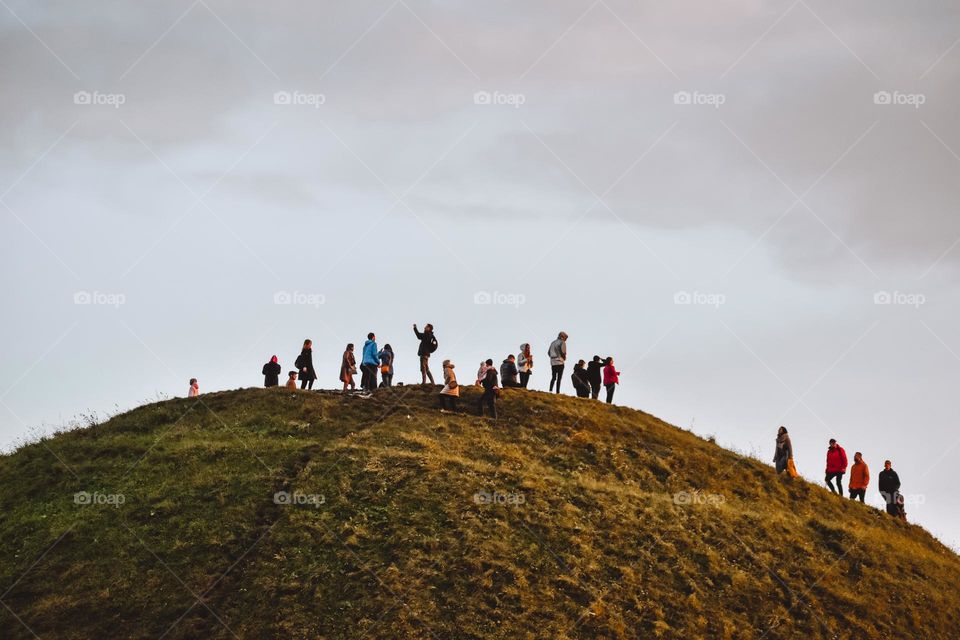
x=525, y=363
x=451, y=390
x=558, y=356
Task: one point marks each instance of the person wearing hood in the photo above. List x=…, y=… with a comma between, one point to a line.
x=558, y=355
x=386, y=365
x=348, y=368
x=508, y=372
x=836, y=466
x=490, y=388
x=580, y=382
x=369, y=363
x=271, y=373
x=451, y=390
x=304, y=365
x=611, y=378
x=859, y=477
x=595, y=376
x=525, y=364
x=784, y=451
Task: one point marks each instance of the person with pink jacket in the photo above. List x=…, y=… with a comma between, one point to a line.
x=611, y=378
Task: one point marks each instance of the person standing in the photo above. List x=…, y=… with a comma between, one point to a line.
x=836, y=466
x=581, y=383
x=490, y=387
x=428, y=344
x=525, y=364
x=889, y=484
x=271, y=373
x=558, y=356
x=304, y=364
x=783, y=454
x=194, y=389
x=451, y=390
x=386, y=366
x=859, y=477
x=348, y=368
x=595, y=376
x=611, y=378
x=369, y=363
x=508, y=372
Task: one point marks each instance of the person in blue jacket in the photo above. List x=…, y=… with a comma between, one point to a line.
x=369, y=364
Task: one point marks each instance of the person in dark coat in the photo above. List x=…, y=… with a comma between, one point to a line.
x=304, y=364
x=595, y=376
x=490, y=386
x=386, y=365
x=271, y=373
x=581, y=382
x=428, y=344
x=889, y=484
x=509, y=372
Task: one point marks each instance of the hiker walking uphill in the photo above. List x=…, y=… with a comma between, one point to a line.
x=369, y=364
x=490, y=390
x=428, y=344
x=579, y=378
x=859, y=477
x=348, y=368
x=783, y=454
x=304, y=365
x=558, y=356
x=271, y=373
x=451, y=390
x=509, y=372
x=525, y=364
x=836, y=466
x=611, y=378
x=595, y=376
x=386, y=365
x=889, y=484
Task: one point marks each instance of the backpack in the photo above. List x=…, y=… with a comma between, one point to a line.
x=433, y=344
x=298, y=363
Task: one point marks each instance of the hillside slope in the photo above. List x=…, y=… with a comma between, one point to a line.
x=567, y=518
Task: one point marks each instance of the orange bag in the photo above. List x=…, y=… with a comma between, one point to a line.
x=792, y=468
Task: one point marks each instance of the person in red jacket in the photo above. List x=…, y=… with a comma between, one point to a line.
x=611, y=378
x=836, y=466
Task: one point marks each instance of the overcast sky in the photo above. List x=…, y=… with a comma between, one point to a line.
x=172, y=172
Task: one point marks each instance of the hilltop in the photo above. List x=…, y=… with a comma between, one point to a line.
x=266, y=513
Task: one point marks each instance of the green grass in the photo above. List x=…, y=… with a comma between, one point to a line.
x=595, y=543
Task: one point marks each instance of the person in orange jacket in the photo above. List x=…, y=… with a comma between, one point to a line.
x=859, y=477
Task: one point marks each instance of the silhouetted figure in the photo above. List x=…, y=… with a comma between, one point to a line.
x=509, y=372
x=580, y=382
x=271, y=373
x=304, y=365
x=490, y=386
x=595, y=376
x=889, y=484
x=428, y=344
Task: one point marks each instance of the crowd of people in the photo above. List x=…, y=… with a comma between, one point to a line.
x=888, y=480
x=515, y=371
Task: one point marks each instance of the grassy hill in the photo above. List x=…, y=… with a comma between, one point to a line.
x=264, y=513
